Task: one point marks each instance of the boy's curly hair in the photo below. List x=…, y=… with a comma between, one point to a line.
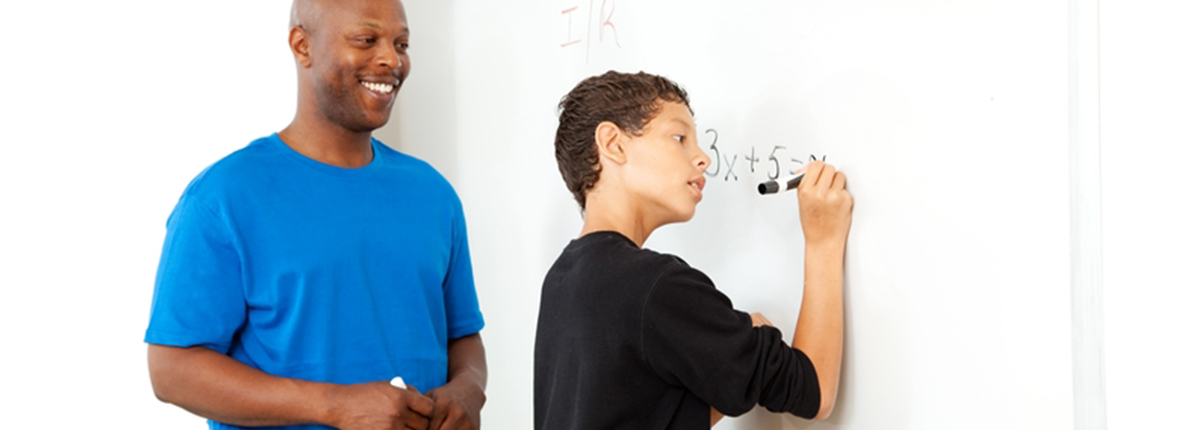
x=629, y=100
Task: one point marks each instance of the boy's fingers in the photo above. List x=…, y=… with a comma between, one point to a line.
x=759, y=320
x=839, y=181
x=812, y=172
x=826, y=179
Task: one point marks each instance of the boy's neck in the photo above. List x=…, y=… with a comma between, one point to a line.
x=622, y=216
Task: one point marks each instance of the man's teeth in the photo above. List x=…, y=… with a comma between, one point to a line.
x=379, y=88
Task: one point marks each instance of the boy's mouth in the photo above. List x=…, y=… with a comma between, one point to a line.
x=697, y=184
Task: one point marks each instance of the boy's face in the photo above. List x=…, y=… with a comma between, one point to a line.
x=665, y=169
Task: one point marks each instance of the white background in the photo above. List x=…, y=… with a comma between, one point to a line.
x=1150, y=145
x=950, y=118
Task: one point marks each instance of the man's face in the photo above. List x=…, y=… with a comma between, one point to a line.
x=666, y=165
x=359, y=53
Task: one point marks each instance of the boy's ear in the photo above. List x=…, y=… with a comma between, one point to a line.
x=610, y=142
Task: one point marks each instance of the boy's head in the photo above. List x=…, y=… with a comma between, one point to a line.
x=640, y=127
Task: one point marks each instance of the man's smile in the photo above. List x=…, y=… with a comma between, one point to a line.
x=379, y=87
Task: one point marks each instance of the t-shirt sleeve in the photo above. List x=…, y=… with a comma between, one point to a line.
x=463, y=317
x=198, y=295
x=692, y=336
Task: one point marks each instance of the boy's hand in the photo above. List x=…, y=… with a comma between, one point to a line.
x=758, y=320
x=825, y=205
x=379, y=405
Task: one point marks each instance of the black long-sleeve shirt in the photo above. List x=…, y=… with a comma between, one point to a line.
x=629, y=338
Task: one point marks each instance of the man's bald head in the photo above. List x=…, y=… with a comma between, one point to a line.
x=304, y=13
x=309, y=14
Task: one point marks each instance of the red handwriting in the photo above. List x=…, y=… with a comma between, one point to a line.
x=569, y=42
x=603, y=19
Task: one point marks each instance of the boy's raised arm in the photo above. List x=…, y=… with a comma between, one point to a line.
x=825, y=208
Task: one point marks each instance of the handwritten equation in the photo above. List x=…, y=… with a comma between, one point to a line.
x=777, y=159
x=602, y=19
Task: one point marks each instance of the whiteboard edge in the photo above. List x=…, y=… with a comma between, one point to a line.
x=1087, y=328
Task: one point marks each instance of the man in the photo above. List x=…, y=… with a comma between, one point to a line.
x=628, y=338
x=303, y=272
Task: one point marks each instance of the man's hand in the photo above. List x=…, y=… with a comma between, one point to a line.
x=455, y=407
x=378, y=406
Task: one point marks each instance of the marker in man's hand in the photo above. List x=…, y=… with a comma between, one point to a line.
x=398, y=382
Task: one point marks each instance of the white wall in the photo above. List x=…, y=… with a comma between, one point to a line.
x=109, y=109
x=957, y=292
x=425, y=117
x=1150, y=145
x=1015, y=270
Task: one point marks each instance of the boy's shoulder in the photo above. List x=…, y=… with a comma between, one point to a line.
x=610, y=247
x=610, y=260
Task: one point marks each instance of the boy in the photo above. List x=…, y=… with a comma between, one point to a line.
x=630, y=338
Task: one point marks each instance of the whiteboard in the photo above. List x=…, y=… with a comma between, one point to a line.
x=949, y=118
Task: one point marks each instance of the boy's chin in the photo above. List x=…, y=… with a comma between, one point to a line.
x=688, y=217
x=684, y=215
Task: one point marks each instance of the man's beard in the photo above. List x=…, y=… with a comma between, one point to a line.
x=342, y=107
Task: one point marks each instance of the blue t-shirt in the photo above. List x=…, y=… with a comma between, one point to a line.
x=311, y=271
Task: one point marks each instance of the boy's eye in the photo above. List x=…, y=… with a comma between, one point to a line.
x=678, y=138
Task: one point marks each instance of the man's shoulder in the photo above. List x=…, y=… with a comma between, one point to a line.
x=411, y=169
x=234, y=170
x=407, y=162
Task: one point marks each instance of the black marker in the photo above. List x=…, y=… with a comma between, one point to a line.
x=772, y=187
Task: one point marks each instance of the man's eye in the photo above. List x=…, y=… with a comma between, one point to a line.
x=403, y=46
x=367, y=40
x=678, y=138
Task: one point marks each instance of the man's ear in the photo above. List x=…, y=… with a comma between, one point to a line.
x=610, y=142
x=298, y=40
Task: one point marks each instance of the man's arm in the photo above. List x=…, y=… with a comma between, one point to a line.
x=217, y=387
x=457, y=404
x=825, y=208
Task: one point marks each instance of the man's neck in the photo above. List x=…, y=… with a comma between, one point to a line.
x=329, y=143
